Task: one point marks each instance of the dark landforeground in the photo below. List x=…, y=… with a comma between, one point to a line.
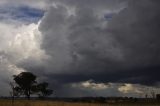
x=82, y=102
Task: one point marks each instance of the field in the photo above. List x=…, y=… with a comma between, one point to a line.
x=60, y=103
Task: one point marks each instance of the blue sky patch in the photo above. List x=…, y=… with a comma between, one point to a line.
x=109, y=16
x=21, y=13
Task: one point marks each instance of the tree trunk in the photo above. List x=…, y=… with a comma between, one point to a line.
x=13, y=100
x=29, y=93
x=28, y=97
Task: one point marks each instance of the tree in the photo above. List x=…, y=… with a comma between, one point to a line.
x=25, y=82
x=158, y=96
x=153, y=94
x=43, y=90
x=12, y=93
x=15, y=91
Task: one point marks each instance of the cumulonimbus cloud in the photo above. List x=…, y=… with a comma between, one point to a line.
x=125, y=47
x=79, y=42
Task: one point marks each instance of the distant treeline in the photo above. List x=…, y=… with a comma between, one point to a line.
x=95, y=99
x=107, y=99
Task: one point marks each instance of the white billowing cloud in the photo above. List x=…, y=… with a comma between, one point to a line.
x=18, y=42
x=90, y=84
x=27, y=41
x=19, y=39
x=138, y=90
x=130, y=88
x=93, y=88
x=114, y=89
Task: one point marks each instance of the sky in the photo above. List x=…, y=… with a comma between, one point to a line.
x=82, y=47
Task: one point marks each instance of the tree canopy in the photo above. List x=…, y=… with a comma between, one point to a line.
x=43, y=90
x=26, y=84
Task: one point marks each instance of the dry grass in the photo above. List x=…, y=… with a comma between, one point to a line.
x=53, y=103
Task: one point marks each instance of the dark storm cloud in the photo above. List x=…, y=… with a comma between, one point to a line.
x=136, y=28
x=101, y=4
x=85, y=45
x=72, y=41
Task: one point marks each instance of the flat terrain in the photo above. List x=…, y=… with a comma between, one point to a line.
x=54, y=103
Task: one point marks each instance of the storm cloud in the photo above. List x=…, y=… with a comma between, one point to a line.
x=87, y=45
x=96, y=45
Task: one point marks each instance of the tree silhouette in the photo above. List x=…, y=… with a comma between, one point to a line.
x=25, y=82
x=43, y=90
x=14, y=91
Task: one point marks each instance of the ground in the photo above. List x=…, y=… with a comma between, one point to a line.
x=61, y=103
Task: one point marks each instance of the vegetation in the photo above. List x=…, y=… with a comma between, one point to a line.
x=43, y=90
x=26, y=84
x=61, y=103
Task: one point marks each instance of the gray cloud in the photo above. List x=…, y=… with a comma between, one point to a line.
x=73, y=41
x=85, y=45
x=136, y=29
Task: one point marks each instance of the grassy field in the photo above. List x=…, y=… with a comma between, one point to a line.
x=53, y=103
